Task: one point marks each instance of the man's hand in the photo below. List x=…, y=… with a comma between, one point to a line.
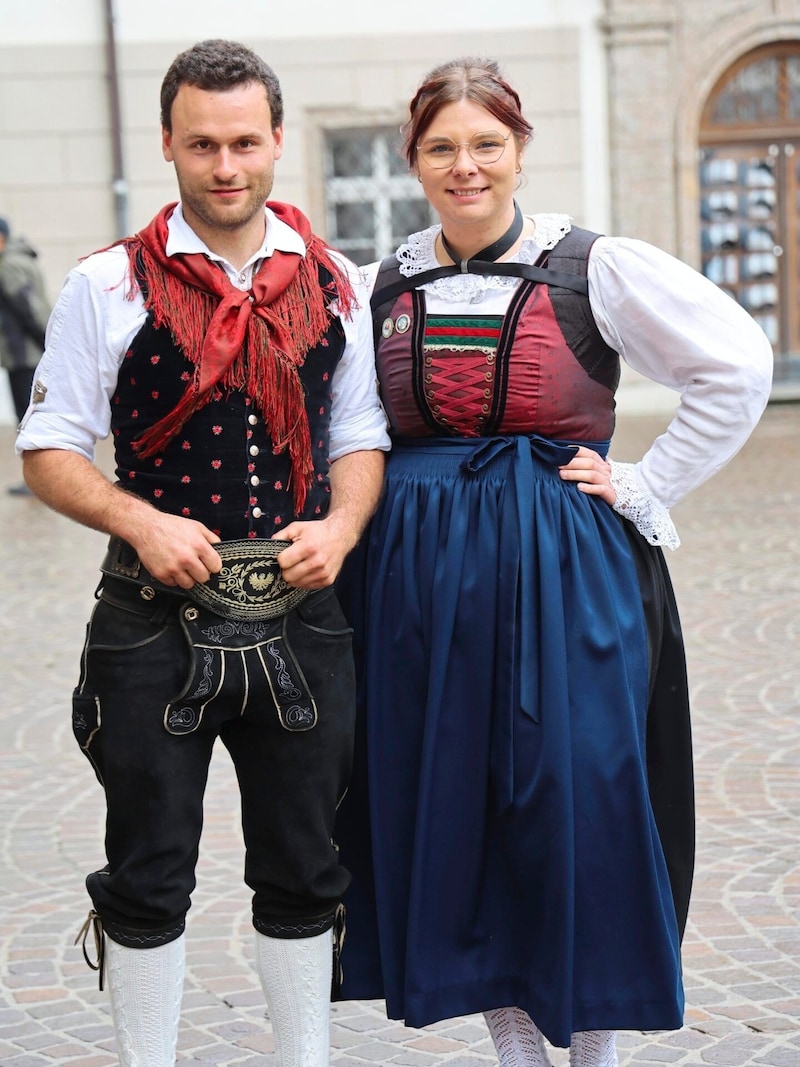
x=318, y=548
x=316, y=553
x=175, y=550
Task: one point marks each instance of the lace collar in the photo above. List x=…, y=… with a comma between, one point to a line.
x=417, y=255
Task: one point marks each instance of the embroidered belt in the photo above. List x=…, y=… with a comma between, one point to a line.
x=250, y=584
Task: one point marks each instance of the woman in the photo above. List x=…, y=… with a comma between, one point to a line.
x=527, y=734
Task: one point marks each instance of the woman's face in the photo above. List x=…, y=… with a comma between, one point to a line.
x=469, y=193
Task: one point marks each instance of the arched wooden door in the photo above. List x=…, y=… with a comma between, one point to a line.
x=750, y=193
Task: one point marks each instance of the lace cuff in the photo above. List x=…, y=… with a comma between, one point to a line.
x=639, y=506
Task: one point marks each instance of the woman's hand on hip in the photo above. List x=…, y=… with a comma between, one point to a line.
x=592, y=473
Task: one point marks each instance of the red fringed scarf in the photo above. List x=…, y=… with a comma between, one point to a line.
x=272, y=327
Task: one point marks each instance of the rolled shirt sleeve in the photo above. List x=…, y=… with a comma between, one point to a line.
x=358, y=421
x=91, y=328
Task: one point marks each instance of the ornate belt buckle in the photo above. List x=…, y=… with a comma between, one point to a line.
x=250, y=584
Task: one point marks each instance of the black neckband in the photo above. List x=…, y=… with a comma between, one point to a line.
x=493, y=251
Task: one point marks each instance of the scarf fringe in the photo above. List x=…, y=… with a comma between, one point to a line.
x=277, y=339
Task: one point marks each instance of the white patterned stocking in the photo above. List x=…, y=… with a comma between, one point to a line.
x=296, y=979
x=517, y=1040
x=146, y=986
x=593, y=1048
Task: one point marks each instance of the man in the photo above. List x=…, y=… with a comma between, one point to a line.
x=24, y=311
x=230, y=354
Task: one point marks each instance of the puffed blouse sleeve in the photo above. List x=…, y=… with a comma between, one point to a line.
x=677, y=328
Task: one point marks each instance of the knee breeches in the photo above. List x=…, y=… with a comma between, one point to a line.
x=156, y=690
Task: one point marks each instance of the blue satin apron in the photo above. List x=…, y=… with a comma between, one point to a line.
x=500, y=832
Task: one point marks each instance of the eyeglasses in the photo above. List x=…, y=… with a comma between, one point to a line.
x=441, y=152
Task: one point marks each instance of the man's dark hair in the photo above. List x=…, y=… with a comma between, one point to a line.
x=220, y=65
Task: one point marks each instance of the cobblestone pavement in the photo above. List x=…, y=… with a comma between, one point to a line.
x=738, y=582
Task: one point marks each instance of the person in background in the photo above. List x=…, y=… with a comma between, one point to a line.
x=526, y=758
x=24, y=311
x=228, y=351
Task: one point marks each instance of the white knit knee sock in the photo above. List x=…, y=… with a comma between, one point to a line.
x=593, y=1048
x=146, y=986
x=296, y=979
x=517, y=1039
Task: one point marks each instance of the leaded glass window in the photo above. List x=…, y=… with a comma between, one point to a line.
x=793, y=86
x=761, y=90
x=750, y=96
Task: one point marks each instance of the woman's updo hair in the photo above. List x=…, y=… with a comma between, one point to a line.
x=468, y=78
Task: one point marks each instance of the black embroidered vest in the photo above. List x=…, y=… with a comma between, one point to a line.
x=221, y=468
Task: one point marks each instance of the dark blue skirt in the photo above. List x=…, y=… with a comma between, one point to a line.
x=502, y=830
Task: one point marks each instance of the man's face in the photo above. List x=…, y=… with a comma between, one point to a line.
x=224, y=150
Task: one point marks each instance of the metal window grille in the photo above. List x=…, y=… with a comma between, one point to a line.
x=372, y=200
